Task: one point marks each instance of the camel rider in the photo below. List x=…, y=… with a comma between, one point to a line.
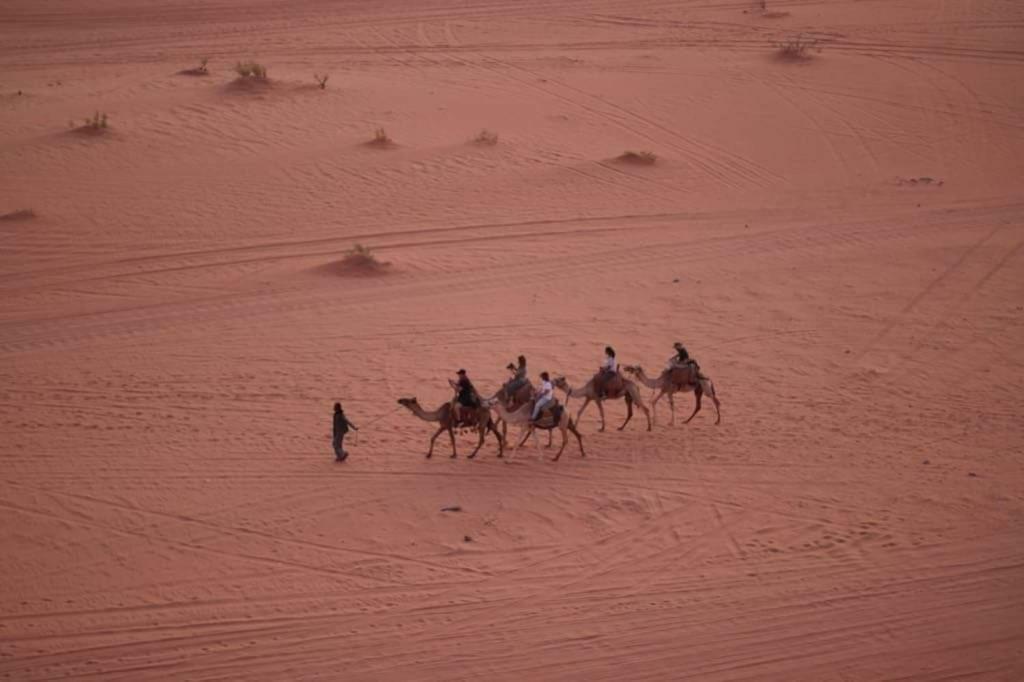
x=465, y=395
x=681, y=358
x=608, y=372
x=518, y=379
x=544, y=397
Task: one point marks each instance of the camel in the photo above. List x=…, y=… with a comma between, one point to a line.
x=547, y=422
x=512, y=402
x=679, y=380
x=479, y=419
x=624, y=389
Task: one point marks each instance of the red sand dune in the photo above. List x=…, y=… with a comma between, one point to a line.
x=837, y=238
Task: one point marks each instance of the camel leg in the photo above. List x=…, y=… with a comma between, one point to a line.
x=501, y=441
x=526, y=435
x=629, y=412
x=718, y=405
x=672, y=406
x=551, y=437
x=697, y=392
x=430, y=452
x=600, y=408
x=654, y=403
x=482, y=430
x=565, y=438
x=579, y=438
x=586, y=401
x=451, y=432
x=647, y=413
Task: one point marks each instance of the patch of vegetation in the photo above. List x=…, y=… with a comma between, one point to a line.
x=486, y=137
x=20, y=214
x=321, y=80
x=381, y=138
x=642, y=158
x=251, y=71
x=95, y=124
x=361, y=258
x=798, y=47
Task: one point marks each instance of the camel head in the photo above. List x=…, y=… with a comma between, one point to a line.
x=560, y=383
x=632, y=369
x=408, y=403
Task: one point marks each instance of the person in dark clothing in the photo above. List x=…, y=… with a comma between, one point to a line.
x=465, y=395
x=681, y=358
x=341, y=427
x=609, y=372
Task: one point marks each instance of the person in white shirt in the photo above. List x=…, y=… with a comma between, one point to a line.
x=545, y=395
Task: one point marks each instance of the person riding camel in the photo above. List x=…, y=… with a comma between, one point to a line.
x=518, y=379
x=544, y=397
x=681, y=358
x=608, y=372
x=465, y=396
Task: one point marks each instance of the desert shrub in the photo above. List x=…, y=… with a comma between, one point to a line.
x=381, y=138
x=797, y=47
x=251, y=70
x=95, y=123
x=321, y=80
x=643, y=158
x=486, y=137
x=362, y=258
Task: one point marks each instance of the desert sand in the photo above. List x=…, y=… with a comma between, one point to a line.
x=837, y=238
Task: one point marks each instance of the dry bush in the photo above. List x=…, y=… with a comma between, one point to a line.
x=381, y=138
x=486, y=137
x=94, y=125
x=321, y=80
x=641, y=158
x=798, y=47
x=361, y=259
x=20, y=214
x=251, y=70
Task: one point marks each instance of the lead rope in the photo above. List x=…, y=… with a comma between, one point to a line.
x=374, y=421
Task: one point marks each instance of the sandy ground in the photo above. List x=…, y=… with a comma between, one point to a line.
x=175, y=324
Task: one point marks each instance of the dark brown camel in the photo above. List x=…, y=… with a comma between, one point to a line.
x=478, y=419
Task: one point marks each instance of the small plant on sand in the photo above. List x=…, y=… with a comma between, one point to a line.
x=641, y=158
x=381, y=138
x=486, y=137
x=251, y=70
x=361, y=259
x=95, y=124
x=321, y=80
x=20, y=214
x=797, y=47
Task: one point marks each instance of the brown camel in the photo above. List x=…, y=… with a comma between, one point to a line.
x=558, y=418
x=478, y=419
x=679, y=380
x=616, y=390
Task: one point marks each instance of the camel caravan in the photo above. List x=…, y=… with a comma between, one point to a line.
x=520, y=403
